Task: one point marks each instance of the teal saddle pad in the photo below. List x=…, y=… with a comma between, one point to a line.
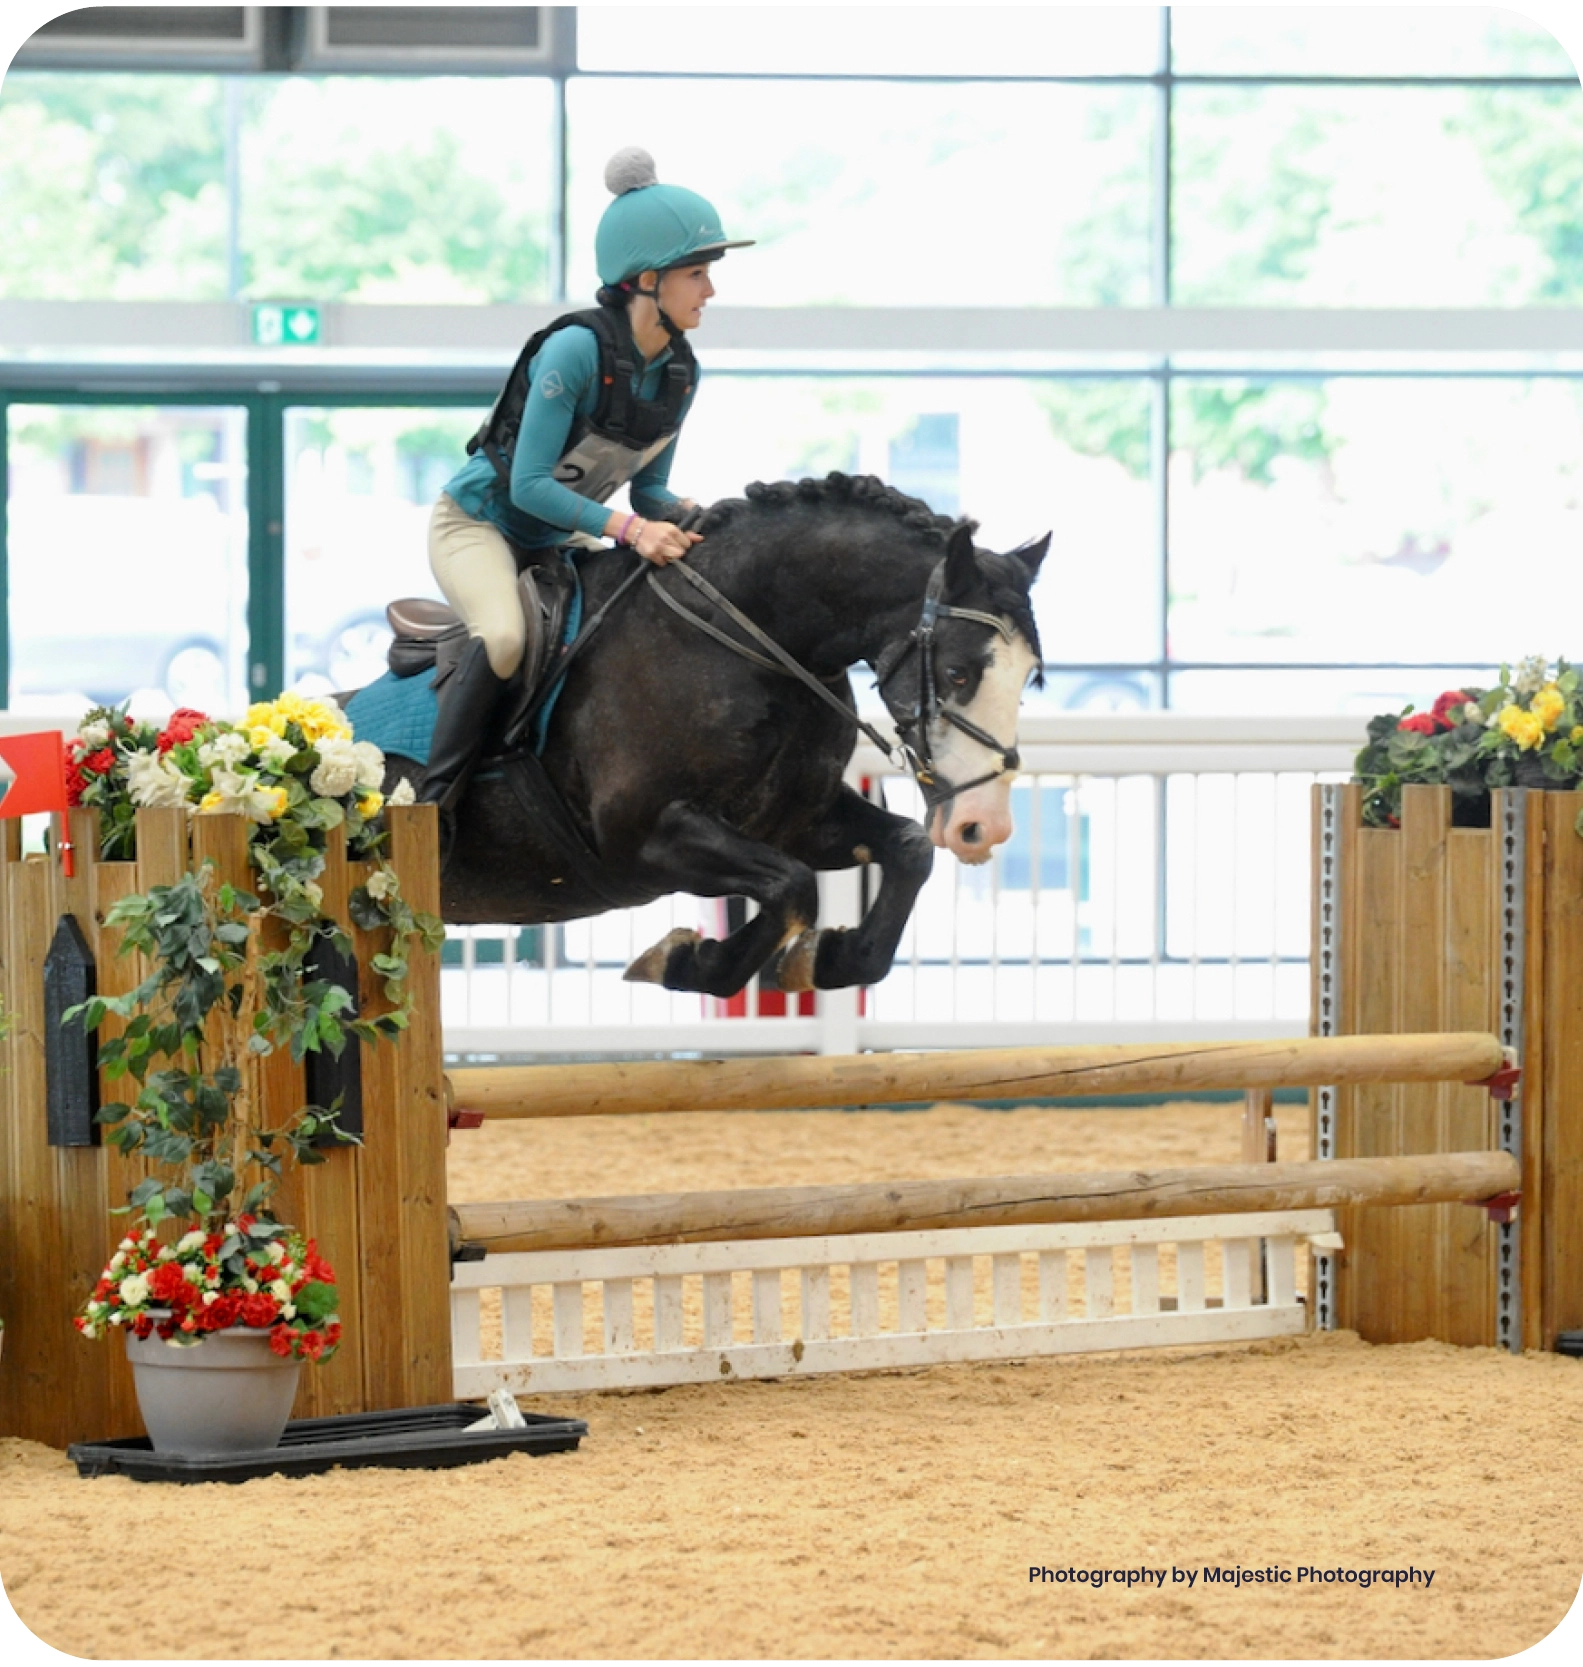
x=397, y=714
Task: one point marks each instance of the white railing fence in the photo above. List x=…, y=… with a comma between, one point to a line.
x=1157, y=886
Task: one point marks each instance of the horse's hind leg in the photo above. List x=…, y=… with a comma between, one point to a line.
x=690, y=851
x=855, y=832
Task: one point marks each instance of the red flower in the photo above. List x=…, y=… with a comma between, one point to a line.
x=1421, y=723
x=312, y=1344
x=260, y=1310
x=171, y=1285
x=100, y=763
x=142, y=1325
x=76, y=781
x=225, y=1310
x=185, y=722
x=281, y=1339
x=1442, y=707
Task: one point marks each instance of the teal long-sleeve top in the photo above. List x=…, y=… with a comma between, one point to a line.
x=563, y=384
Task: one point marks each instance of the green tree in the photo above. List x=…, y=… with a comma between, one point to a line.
x=1221, y=424
x=1531, y=140
x=113, y=186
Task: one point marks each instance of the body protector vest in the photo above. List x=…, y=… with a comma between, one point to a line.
x=605, y=450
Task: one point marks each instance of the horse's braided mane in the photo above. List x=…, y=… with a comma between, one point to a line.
x=870, y=492
x=865, y=491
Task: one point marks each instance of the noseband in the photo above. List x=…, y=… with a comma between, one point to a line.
x=912, y=723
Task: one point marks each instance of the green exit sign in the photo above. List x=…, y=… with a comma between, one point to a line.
x=285, y=324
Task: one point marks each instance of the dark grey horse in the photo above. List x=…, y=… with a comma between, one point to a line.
x=682, y=763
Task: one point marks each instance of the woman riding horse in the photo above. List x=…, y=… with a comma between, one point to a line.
x=594, y=403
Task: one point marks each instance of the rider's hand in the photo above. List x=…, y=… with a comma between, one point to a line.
x=660, y=542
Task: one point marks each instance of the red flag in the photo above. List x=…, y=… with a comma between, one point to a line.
x=40, y=764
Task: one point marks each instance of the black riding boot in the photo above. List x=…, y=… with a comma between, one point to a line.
x=467, y=698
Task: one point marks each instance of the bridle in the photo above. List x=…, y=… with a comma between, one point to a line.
x=915, y=753
x=913, y=723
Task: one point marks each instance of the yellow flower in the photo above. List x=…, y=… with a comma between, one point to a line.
x=1523, y=727
x=266, y=714
x=323, y=723
x=1576, y=735
x=260, y=735
x=273, y=800
x=317, y=719
x=209, y=802
x=1548, y=705
x=368, y=804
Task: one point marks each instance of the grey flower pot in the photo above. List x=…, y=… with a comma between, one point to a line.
x=226, y=1394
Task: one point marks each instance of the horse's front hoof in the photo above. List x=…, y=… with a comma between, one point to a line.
x=649, y=968
x=795, y=969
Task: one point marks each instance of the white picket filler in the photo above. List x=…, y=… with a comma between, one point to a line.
x=752, y=1339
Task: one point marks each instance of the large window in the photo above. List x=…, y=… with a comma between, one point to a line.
x=1266, y=524
x=127, y=541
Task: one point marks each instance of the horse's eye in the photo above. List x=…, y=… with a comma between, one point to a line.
x=956, y=677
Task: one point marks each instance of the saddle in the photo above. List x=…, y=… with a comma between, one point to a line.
x=429, y=636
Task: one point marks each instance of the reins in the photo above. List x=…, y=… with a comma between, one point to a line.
x=916, y=757
x=778, y=660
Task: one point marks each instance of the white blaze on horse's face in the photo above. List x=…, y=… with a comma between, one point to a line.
x=975, y=822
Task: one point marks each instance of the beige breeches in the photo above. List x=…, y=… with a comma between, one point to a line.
x=475, y=568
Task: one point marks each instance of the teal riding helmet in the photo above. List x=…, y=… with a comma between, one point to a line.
x=650, y=227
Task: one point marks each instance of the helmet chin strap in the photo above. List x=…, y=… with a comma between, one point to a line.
x=673, y=330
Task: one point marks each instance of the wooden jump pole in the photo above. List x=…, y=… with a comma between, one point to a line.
x=782, y=1084
x=995, y=1201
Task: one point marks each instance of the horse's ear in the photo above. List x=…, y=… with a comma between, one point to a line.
x=1032, y=554
x=961, y=565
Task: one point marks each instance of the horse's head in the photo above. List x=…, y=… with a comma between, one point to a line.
x=954, y=690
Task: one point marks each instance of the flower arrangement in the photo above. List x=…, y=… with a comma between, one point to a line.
x=291, y=764
x=234, y=975
x=251, y=1273
x=1525, y=731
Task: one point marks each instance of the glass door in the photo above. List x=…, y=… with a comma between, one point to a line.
x=127, y=541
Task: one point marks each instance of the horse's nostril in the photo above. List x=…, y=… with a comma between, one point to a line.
x=972, y=833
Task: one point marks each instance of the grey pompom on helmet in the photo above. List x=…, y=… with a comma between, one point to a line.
x=630, y=169
x=650, y=227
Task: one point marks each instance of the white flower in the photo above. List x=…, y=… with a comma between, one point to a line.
x=192, y=1240
x=370, y=766
x=314, y=892
x=94, y=735
x=288, y=1310
x=249, y=1284
x=277, y=752
x=337, y=771
x=405, y=794
x=275, y=1251
x=228, y=748
x=127, y=1244
x=1532, y=674
x=241, y=792
x=153, y=779
x=279, y=1288
x=192, y=1273
x=210, y=1296
x=134, y=1290
x=381, y=884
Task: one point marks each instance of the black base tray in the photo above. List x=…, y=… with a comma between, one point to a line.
x=413, y=1438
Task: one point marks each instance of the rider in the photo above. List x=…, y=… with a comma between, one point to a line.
x=563, y=437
